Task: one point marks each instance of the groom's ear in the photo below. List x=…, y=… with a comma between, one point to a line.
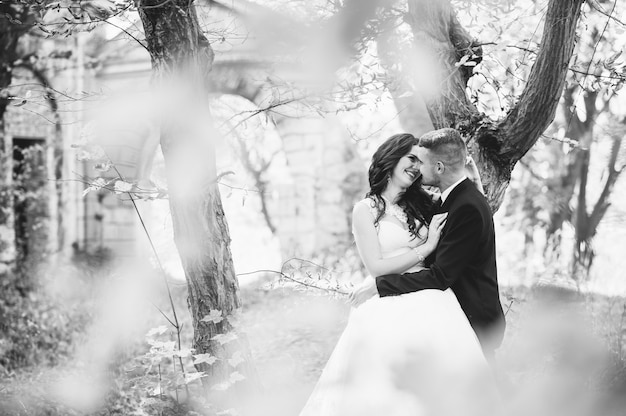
x=440, y=167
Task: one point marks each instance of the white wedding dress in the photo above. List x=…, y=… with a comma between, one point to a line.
x=413, y=354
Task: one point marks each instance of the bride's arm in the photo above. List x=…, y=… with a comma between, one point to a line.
x=366, y=240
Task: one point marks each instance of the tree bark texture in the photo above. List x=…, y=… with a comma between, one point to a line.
x=538, y=103
x=496, y=144
x=441, y=42
x=398, y=59
x=181, y=60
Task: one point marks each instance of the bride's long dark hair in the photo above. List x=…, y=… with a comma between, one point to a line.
x=415, y=201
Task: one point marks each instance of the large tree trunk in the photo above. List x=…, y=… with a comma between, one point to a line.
x=441, y=42
x=498, y=145
x=181, y=60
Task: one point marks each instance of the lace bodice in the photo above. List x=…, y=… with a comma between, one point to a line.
x=394, y=238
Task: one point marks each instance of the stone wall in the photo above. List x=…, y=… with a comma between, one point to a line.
x=314, y=205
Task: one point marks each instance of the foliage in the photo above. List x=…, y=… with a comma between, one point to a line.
x=569, y=176
x=38, y=330
x=155, y=372
x=332, y=273
x=30, y=195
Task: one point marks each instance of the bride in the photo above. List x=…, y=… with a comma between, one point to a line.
x=413, y=354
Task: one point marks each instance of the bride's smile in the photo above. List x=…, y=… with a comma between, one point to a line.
x=407, y=170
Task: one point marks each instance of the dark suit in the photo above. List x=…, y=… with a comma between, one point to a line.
x=465, y=260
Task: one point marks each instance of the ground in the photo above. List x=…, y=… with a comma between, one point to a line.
x=292, y=333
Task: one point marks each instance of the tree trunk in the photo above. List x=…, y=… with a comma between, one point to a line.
x=497, y=145
x=585, y=223
x=257, y=170
x=397, y=58
x=181, y=60
x=566, y=177
x=441, y=42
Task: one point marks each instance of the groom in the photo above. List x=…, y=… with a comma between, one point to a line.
x=465, y=258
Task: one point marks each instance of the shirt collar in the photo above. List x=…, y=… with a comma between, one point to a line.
x=446, y=193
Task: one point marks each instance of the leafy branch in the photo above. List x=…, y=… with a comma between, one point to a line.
x=309, y=282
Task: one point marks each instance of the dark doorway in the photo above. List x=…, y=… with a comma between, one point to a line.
x=30, y=199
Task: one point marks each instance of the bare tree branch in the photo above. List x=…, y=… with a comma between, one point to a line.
x=537, y=105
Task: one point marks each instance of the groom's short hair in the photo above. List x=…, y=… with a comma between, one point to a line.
x=447, y=145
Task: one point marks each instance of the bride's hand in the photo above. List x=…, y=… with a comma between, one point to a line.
x=363, y=292
x=435, y=228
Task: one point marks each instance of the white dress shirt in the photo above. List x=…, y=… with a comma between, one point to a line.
x=446, y=193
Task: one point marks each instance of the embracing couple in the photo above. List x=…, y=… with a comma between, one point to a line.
x=426, y=323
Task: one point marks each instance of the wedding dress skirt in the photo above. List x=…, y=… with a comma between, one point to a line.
x=413, y=354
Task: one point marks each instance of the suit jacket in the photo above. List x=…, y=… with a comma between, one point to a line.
x=465, y=260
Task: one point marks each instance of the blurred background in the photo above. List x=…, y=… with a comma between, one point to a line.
x=300, y=94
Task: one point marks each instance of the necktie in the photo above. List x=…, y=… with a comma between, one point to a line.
x=437, y=206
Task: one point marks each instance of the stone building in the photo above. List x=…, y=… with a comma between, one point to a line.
x=309, y=202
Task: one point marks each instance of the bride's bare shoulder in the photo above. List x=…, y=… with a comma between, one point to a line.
x=366, y=206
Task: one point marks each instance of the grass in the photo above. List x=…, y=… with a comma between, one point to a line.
x=292, y=333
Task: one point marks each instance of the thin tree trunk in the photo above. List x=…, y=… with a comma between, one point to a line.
x=569, y=175
x=181, y=60
x=261, y=185
x=585, y=223
x=257, y=171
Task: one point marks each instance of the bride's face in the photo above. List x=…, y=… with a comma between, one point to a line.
x=407, y=170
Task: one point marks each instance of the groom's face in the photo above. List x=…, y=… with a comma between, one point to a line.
x=428, y=166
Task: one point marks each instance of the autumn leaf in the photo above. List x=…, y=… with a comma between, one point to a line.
x=121, y=187
x=159, y=330
x=236, y=376
x=204, y=358
x=189, y=377
x=214, y=316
